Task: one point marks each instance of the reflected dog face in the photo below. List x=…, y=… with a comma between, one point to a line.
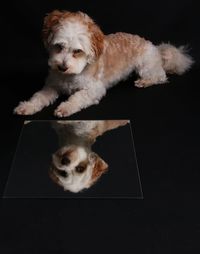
x=76, y=168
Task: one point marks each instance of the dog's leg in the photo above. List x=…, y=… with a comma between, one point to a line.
x=105, y=125
x=37, y=102
x=150, y=68
x=113, y=124
x=81, y=99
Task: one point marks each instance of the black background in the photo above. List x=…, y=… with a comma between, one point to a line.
x=166, y=127
x=29, y=176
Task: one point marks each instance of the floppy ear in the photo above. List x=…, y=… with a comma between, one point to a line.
x=97, y=39
x=51, y=21
x=100, y=167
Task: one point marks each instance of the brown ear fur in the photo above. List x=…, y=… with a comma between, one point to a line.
x=97, y=36
x=100, y=168
x=50, y=23
x=97, y=39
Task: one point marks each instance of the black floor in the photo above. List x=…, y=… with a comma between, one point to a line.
x=166, y=120
x=166, y=129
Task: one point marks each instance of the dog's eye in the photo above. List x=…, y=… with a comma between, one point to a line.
x=77, y=52
x=80, y=169
x=58, y=47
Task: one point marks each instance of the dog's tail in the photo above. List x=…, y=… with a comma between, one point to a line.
x=175, y=60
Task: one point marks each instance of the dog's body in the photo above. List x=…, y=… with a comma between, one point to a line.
x=85, y=63
x=74, y=165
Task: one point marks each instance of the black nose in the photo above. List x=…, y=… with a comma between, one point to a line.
x=62, y=68
x=62, y=173
x=65, y=160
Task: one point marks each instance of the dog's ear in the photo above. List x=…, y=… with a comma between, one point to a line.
x=99, y=168
x=97, y=39
x=51, y=22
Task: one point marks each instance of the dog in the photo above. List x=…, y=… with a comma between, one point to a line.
x=84, y=63
x=74, y=165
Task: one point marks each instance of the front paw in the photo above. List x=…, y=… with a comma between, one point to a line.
x=25, y=108
x=63, y=110
x=141, y=83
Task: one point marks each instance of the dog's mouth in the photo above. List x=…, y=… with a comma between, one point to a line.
x=64, y=71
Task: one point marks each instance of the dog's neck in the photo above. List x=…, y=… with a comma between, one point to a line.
x=83, y=133
x=74, y=133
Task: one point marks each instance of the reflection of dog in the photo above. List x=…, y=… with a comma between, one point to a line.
x=85, y=63
x=75, y=166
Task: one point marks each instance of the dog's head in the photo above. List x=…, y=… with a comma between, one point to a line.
x=76, y=168
x=72, y=39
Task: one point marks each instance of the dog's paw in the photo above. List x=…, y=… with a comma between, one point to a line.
x=63, y=110
x=141, y=83
x=25, y=108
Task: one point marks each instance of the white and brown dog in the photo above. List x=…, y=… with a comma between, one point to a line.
x=85, y=63
x=74, y=165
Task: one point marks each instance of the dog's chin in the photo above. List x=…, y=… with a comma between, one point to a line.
x=68, y=72
x=74, y=189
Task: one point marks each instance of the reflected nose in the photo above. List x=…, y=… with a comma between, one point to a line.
x=65, y=160
x=62, y=67
x=62, y=173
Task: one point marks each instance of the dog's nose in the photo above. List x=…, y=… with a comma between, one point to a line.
x=62, y=68
x=65, y=160
x=62, y=173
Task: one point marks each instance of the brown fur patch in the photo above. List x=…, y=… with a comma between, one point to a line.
x=121, y=49
x=100, y=168
x=97, y=39
x=50, y=22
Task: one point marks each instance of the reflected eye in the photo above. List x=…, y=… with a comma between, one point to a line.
x=77, y=52
x=58, y=47
x=80, y=169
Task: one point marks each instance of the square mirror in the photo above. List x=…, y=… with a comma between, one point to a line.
x=75, y=159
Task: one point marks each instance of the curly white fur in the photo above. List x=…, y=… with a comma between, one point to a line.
x=85, y=63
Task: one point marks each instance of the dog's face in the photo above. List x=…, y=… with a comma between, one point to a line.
x=73, y=41
x=75, y=168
